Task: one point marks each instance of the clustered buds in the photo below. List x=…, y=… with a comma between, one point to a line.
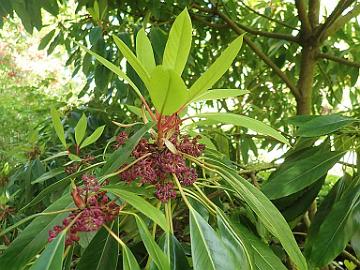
x=156, y=169
x=95, y=209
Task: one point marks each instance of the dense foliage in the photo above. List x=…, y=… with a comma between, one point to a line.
x=162, y=168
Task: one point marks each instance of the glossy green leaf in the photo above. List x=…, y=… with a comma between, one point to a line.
x=93, y=137
x=301, y=174
x=80, y=129
x=167, y=90
x=323, y=125
x=334, y=231
x=267, y=213
x=179, y=43
x=132, y=60
x=113, y=68
x=263, y=256
x=217, y=69
x=34, y=237
x=120, y=156
x=52, y=257
x=129, y=260
x=140, y=204
x=155, y=252
x=234, y=243
x=207, y=249
x=144, y=51
x=244, y=121
x=102, y=252
x=48, y=175
x=219, y=94
x=59, y=129
x=178, y=258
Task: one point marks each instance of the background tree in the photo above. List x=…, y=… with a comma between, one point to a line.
x=298, y=60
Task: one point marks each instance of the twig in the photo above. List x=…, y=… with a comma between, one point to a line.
x=340, y=60
x=260, y=53
x=350, y=257
x=267, y=17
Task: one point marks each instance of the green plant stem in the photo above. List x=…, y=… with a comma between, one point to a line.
x=182, y=192
x=114, y=235
x=168, y=213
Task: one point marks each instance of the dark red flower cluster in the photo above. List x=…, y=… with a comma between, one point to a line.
x=156, y=169
x=95, y=209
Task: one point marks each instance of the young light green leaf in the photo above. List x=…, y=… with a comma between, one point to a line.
x=244, y=121
x=207, y=249
x=144, y=51
x=113, y=68
x=80, y=129
x=52, y=257
x=140, y=204
x=217, y=69
x=167, y=90
x=59, y=129
x=151, y=246
x=129, y=260
x=219, y=94
x=132, y=60
x=93, y=137
x=179, y=43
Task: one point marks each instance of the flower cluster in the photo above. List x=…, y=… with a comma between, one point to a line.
x=94, y=209
x=156, y=168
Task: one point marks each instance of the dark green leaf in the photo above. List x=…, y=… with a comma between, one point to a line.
x=301, y=174
x=46, y=39
x=102, y=252
x=120, y=156
x=323, y=125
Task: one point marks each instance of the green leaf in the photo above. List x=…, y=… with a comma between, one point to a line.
x=244, y=121
x=102, y=252
x=48, y=175
x=334, y=231
x=301, y=174
x=263, y=256
x=176, y=252
x=132, y=60
x=217, y=69
x=267, y=213
x=219, y=94
x=167, y=90
x=120, y=156
x=140, y=204
x=144, y=51
x=129, y=260
x=323, y=125
x=179, y=43
x=151, y=246
x=93, y=137
x=233, y=242
x=34, y=237
x=113, y=68
x=207, y=249
x=46, y=39
x=80, y=129
x=59, y=129
x=52, y=257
